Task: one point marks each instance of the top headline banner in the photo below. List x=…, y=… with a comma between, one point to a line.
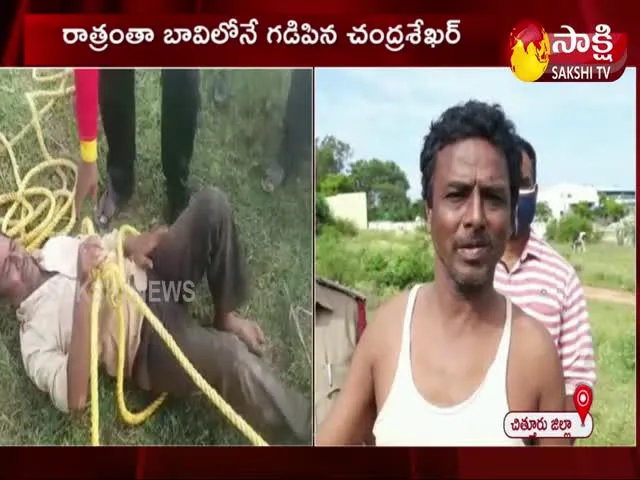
x=259, y=41
x=534, y=51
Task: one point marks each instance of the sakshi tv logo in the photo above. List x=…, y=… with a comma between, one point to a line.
x=536, y=55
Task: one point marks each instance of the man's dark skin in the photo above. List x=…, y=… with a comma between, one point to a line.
x=517, y=243
x=459, y=319
x=21, y=275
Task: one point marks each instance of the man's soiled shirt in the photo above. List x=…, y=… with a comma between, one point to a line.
x=547, y=287
x=46, y=319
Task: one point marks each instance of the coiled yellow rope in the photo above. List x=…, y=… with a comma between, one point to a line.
x=31, y=226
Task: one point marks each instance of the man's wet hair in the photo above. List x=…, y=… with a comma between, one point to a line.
x=526, y=147
x=473, y=119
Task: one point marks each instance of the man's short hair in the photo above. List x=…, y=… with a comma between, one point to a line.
x=526, y=147
x=473, y=119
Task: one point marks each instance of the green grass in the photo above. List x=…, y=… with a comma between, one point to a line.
x=349, y=259
x=613, y=324
x=233, y=145
x=604, y=265
x=614, y=399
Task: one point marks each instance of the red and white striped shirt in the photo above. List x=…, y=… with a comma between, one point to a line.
x=547, y=287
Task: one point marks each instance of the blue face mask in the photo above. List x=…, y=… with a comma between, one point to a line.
x=525, y=211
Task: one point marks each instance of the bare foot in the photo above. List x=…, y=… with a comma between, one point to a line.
x=109, y=206
x=246, y=330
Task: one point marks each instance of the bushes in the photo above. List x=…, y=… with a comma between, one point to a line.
x=401, y=268
x=323, y=213
x=381, y=265
x=333, y=262
x=567, y=228
x=345, y=227
x=377, y=261
x=325, y=220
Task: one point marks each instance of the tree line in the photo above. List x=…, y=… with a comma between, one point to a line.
x=387, y=187
x=383, y=181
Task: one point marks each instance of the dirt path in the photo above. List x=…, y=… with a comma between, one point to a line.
x=607, y=295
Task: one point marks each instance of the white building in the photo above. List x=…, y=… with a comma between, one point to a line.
x=561, y=197
x=351, y=207
x=398, y=227
x=623, y=196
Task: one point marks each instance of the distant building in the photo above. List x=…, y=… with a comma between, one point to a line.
x=351, y=207
x=398, y=227
x=624, y=197
x=561, y=197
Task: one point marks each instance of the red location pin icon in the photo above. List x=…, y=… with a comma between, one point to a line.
x=582, y=400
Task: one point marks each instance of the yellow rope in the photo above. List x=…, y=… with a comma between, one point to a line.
x=31, y=226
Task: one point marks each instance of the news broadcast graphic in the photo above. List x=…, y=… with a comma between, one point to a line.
x=236, y=39
x=536, y=55
x=407, y=39
x=532, y=425
x=582, y=401
x=27, y=38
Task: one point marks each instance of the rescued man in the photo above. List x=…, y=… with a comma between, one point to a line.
x=52, y=291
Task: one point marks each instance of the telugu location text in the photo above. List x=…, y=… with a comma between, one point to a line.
x=547, y=425
x=581, y=72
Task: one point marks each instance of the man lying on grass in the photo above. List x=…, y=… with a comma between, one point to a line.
x=52, y=291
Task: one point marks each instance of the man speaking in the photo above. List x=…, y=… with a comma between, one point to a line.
x=443, y=364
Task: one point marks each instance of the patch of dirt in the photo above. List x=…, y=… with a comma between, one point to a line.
x=608, y=295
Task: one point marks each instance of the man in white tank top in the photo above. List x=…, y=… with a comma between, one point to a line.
x=443, y=364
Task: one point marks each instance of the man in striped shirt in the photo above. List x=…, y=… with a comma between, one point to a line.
x=546, y=286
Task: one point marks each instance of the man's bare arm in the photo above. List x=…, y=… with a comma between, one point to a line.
x=350, y=421
x=90, y=254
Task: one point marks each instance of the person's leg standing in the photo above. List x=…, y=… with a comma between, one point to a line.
x=297, y=137
x=118, y=112
x=180, y=108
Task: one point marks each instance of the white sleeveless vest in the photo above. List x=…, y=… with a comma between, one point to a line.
x=408, y=419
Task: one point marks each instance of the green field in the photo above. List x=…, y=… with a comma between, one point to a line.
x=234, y=143
x=614, y=399
x=379, y=264
x=604, y=265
